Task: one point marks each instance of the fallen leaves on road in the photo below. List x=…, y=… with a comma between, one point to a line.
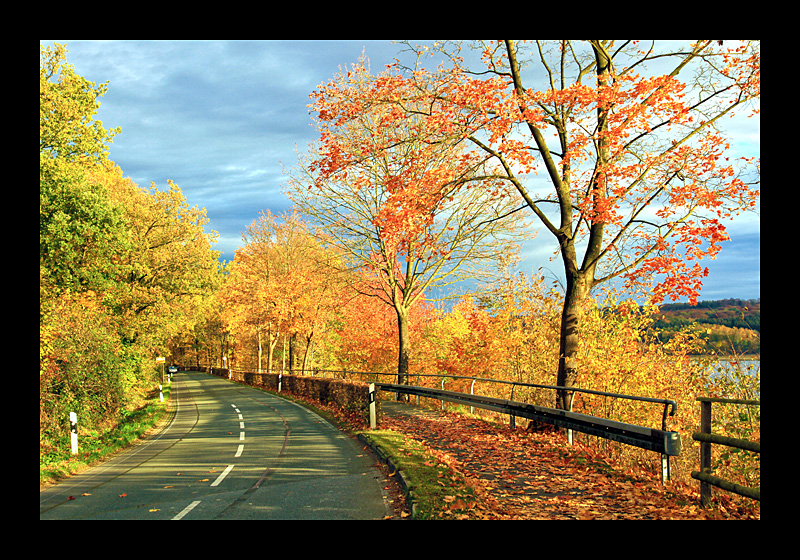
x=515, y=474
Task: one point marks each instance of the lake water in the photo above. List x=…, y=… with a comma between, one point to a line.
x=740, y=372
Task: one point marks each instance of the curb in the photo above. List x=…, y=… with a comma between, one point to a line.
x=411, y=496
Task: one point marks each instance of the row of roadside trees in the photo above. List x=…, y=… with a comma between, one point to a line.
x=122, y=268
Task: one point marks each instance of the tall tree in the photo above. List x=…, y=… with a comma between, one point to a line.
x=80, y=231
x=281, y=283
x=415, y=211
x=169, y=265
x=638, y=176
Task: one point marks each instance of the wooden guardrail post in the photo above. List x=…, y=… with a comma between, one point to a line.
x=705, y=451
x=706, y=438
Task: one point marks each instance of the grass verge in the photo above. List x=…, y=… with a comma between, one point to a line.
x=434, y=489
x=57, y=462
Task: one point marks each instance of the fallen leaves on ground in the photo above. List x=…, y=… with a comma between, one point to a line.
x=517, y=474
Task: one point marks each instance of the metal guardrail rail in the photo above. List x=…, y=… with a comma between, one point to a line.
x=660, y=441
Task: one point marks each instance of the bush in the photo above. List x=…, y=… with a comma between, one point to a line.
x=85, y=366
x=350, y=396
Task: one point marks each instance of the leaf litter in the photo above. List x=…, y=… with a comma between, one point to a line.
x=517, y=474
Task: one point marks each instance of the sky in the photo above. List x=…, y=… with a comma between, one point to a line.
x=224, y=120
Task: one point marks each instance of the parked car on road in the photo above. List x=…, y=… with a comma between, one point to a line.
x=172, y=369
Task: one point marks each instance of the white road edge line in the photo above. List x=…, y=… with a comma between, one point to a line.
x=223, y=475
x=186, y=510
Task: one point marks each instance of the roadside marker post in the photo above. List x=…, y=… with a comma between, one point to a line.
x=372, y=421
x=161, y=393
x=161, y=360
x=73, y=432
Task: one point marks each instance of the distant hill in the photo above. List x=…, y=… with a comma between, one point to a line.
x=728, y=325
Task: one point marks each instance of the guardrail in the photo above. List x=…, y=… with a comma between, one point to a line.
x=667, y=443
x=706, y=438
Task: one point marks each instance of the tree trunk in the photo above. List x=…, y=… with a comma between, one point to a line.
x=293, y=354
x=403, y=346
x=581, y=280
x=307, y=357
x=273, y=341
x=578, y=288
x=260, y=348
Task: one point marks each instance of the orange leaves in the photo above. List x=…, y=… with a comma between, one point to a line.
x=498, y=336
x=367, y=338
x=638, y=174
x=513, y=474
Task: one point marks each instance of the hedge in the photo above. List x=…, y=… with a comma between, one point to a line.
x=350, y=396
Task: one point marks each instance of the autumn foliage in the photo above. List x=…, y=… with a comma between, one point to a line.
x=122, y=269
x=637, y=176
x=420, y=178
x=282, y=286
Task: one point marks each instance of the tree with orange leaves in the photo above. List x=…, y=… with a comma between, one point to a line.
x=638, y=175
x=416, y=213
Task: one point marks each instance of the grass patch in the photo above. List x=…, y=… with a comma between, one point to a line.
x=439, y=491
x=57, y=462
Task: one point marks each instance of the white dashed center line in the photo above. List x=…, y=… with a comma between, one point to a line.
x=223, y=475
x=186, y=510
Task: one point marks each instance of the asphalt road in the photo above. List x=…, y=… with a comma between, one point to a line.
x=229, y=452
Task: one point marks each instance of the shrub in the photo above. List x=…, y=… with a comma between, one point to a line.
x=350, y=396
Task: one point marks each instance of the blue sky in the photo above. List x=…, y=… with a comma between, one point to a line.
x=222, y=119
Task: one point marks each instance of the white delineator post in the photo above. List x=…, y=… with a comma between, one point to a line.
x=73, y=432
x=372, y=419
